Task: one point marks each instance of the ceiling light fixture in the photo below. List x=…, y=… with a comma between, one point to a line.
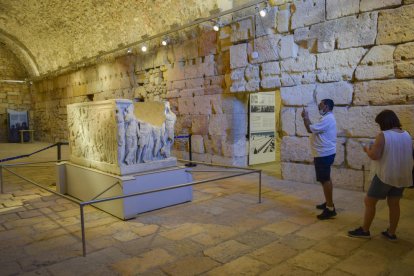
x=144, y=48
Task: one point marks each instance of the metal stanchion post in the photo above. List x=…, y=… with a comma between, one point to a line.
x=59, y=153
x=260, y=186
x=83, y=230
x=191, y=164
x=1, y=179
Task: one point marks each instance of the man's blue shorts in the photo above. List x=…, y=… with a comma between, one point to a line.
x=380, y=190
x=323, y=167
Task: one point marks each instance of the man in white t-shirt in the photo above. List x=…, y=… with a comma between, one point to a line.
x=323, y=141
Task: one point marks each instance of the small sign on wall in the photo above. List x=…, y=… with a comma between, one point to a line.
x=262, y=128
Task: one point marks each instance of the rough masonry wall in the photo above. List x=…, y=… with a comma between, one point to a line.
x=14, y=96
x=358, y=53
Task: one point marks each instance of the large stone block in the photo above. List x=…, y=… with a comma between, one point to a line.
x=270, y=82
x=396, y=25
x=340, y=151
x=350, y=31
x=266, y=25
x=283, y=20
x=307, y=12
x=242, y=30
x=202, y=105
x=340, y=8
x=296, y=149
x=348, y=179
x=199, y=124
x=235, y=104
x=252, y=76
x=396, y=91
x=197, y=144
x=288, y=47
x=238, y=82
x=339, y=92
x=298, y=78
x=404, y=60
x=297, y=95
x=356, y=158
x=338, y=65
x=270, y=69
x=369, y=5
x=288, y=119
x=186, y=105
x=174, y=72
x=298, y=172
x=360, y=121
x=267, y=48
x=378, y=63
x=207, y=43
x=304, y=62
x=238, y=56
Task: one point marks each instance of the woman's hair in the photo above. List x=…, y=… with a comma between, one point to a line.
x=387, y=119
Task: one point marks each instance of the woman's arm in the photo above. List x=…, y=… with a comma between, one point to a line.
x=375, y=151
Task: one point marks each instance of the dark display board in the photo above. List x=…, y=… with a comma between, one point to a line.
x=17, y=120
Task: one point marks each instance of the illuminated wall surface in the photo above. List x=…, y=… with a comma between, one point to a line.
x=357, y=52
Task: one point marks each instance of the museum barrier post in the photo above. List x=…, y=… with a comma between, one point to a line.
x=1, y=178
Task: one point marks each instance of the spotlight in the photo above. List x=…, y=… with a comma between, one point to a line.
x=216, y=27
x=144, y=48
x=263, y=12
x=165, y=41
x=129, y=51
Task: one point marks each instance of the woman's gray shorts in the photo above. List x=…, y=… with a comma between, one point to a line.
x=380, y=190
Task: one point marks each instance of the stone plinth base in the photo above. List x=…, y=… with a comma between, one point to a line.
x=88, y=184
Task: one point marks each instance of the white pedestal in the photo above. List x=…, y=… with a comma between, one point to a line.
x=88, y=184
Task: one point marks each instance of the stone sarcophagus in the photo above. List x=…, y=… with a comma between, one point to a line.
x=121, y=137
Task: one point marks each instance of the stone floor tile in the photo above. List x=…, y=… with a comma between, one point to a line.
x=214, y=234
x=257, y=238
x=297, y=242
x=125, y=236
x=281, y=228
x=409, y=257
x=336, y=272
x=285, y=269
x=96, y=263
x=132, y=266
x=390, y=250
x=319, y=230
x=401, y=269
x=49, y=244
x=190, y=266
x=10, y=268
x=183, y=231
x=313, y=260
x=146, y=230
x=227, y=251
x=364, y=263
x=182, y=248
x=338, y=246
x=241, y=266
x=273, y=253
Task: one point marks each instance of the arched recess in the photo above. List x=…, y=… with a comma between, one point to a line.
x=21, y=52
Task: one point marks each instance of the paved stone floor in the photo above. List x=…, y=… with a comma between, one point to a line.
x=224, y=231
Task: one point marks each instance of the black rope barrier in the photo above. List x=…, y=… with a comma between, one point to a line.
x=58, y=144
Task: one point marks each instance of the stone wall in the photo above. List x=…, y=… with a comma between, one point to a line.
x=12, y=95
x=357, y=52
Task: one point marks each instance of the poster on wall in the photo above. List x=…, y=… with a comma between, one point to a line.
x=262, y=128
x=17, y=120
